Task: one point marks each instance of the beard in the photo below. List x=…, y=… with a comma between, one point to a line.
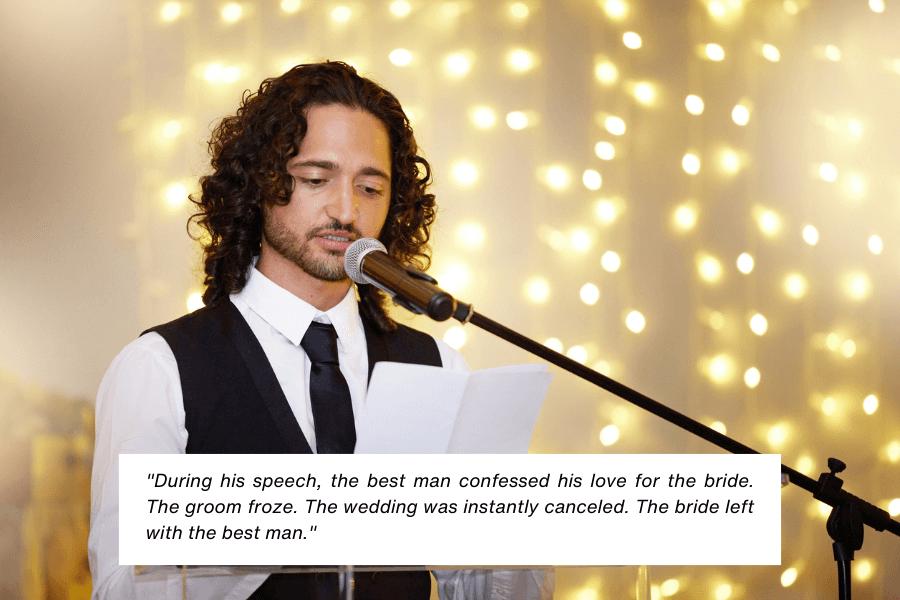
x=320, y=263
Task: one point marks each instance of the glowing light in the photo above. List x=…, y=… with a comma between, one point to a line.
x=537, y=289
x=401, y=8
x=858, y=286
x=580, y=241
x=829, y=405
x=614, y=125
x=769, y=222
x=854, y=127
x=719, y=426
x=810, y=235
x=777, y=435
x=730, y=161
x=232, y=12
x=483, y=117
x=635, y=321
x=805, y=465
x=170, y=11
x=857, y=186
x=751, y=377
x=745, y=263
x=457, y=64
x=864, y=569
x=848, y=348
x=694, y=104
x=721, y=368
x=615, y=9
x=290, y=6
x=717, y=320
x=606, y=211
x=455, y=337
x=715, y=52
x=589, y=294
x=176, y=195
x=795, y=285
x=587, y=593
x=171, y=129
x=554, y=344
x=788, y=577
x=341, y=14
x=454, y=277
x=517, y=120
x=691, y=164
x=520, y=60
x=519, y=10
x=832, y=53
x=740, y=114
x=791, y=7
x=770, y=52
x=875, y=244
x=877, y=5
x=644, y=93
x=893, y=451
x=400, y=57
x=669, y=587
x=828, y=172
x=578, y=354
x=894, y=507
x=609, y=435
x=870, y=404
x=709, y=267
x=610, y=261
x=758, y=324
x=230, y=74
x=605, y=151
x=470, y=235
x=716, y=9
x=213, y=73
x=451, y=10
x=631, y=40
x=606, y=73
x=195, y=301
x=464, y=172
x=591, y=180
x=684, y=217
x=557, y=177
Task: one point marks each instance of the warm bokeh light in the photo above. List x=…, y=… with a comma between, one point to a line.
x=788, y=577
x=609, y=435
x=777, y=435
x=715, y=52
x=591, y=179
x=632, y=40
x=858, y=286
x=170, y=11
x=694, y=104
x=171, y=129
x=342, y=14
x=669, y=587
x=645, y=93
x=578, y=354
x=470, y=235
x=795, y=285
x=771, y=52
x=537, y=289
x=635, y=321
x=176, y=195
x=554, y=344
x=464, y=173
x=520, y=60
x=769, y=222
x=720, y=368
x=606, y=211
x=833, y=53
x=691, y=164
x=457, y=64
x=483, y=117
x=875, y=244
x=894, y=507
x=557, y=177
x=752, y=377
x=810, y=235
x=290, y=6
x=605, y=151
x=614, y=125
x=870, y=404
x=400, y=57
x=195, y=302
x=519, y=10
x=864, y=569
x=731, y=162
x=719, y=426
x=610, y=261
x=828, y=171
x=517, y=120
x=455, y=337
x=615, y=9
x=606, y=73
x=589, y=294
x=400, y=8
x=232, y=12
x=758, y=324
x=740, y=114
x=709, y=267
x=684, y=217
x=745, y=263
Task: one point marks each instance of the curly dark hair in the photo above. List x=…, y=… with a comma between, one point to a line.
x=250, y=151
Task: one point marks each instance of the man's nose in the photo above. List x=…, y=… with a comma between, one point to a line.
x=344, y=205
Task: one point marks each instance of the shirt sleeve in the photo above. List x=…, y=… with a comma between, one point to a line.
x=138, y=411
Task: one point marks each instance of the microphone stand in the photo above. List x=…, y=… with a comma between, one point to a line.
x=849, y=513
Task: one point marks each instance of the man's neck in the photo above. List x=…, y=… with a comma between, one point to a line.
x=323, y=295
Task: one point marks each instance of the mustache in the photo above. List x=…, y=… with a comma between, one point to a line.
x=334, y=225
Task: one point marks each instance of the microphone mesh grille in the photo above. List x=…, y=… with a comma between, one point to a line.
x=354, y=255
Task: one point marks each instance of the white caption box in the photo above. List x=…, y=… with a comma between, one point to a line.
x=450, y=509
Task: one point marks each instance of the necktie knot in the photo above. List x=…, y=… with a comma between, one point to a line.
x=320, y=343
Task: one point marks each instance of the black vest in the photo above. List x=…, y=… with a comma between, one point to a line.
x=233, y=403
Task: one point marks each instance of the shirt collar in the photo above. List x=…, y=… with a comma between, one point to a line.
x=291, y=316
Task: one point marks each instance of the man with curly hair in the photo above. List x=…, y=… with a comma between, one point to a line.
x=312, y=161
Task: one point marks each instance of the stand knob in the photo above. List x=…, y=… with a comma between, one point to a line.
x=836, y=465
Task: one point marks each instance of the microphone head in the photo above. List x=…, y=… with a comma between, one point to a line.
x=354, y=255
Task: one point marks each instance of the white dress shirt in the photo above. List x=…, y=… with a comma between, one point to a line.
x=140, y=411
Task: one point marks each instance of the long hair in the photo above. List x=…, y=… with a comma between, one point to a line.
x=250, y=151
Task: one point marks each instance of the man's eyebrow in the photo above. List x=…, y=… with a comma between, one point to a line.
x=330, y=166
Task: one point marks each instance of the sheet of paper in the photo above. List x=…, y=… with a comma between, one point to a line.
x=429, y=410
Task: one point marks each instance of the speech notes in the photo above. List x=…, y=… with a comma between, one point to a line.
x=460, y=509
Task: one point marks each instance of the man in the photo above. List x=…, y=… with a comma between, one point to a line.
x=316, y=159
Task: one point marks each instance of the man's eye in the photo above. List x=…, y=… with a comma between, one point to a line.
x=370, y=190
x=312, y=182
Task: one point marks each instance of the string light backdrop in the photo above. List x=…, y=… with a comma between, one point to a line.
x=698, y=199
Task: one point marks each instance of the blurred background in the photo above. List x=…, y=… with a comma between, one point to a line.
x=699, y=199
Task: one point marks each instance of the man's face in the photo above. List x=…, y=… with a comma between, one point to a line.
x=342, y=190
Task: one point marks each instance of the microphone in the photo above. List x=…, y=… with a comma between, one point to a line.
x=367, y=261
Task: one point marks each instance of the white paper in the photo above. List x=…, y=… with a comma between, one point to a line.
x=416, y=409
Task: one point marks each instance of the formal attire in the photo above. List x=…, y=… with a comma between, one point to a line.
x=146, y=404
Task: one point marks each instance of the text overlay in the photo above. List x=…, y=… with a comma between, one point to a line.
x=376, y=509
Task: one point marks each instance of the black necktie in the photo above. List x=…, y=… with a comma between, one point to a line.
x=328, y=392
